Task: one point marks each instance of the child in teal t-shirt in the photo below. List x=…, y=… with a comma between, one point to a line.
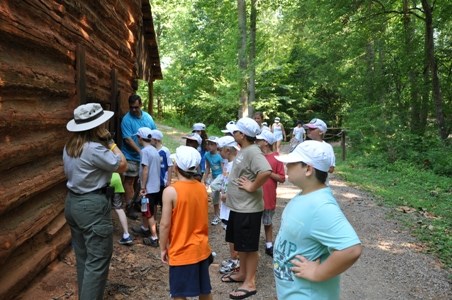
x=315, y=243
x=214, y=165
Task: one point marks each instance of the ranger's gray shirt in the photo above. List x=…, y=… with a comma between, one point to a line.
x=92, y=170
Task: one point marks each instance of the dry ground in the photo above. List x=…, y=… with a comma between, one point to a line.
x=392, y=265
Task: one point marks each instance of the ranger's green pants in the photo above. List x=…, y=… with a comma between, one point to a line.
x=89, y=217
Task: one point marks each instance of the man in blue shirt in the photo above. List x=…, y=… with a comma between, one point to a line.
x=131, y=122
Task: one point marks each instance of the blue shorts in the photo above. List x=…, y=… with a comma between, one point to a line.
x=190, y=280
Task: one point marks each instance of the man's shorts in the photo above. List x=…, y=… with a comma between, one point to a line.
x=159, y=196
x=132, y=168
x=152, y=198
x=215, y=197
x=267, y=217
x=190, y=280
x=244, y=230
x=116, y=201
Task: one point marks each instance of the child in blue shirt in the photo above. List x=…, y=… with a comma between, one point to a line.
x=214, y=164
x=315, y=243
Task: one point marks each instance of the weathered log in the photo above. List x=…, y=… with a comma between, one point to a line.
x=24, y=222
x=20, y=184
x=30, y=146
x=55, y=226
x=31, y=259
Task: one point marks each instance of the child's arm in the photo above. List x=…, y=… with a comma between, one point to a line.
x=334, y=265
x=252, y=186
x=207, y=172
x=170, y=175
x=144, y=179
x=168, y=198
x=278, y=174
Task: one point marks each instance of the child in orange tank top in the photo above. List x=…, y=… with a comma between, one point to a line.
x=184, y=242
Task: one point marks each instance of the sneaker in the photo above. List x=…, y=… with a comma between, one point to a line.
x=150, y=242
x=127, y=241
x=139, y=230
x=269, y=251
x=216, y=220
x=230, y=265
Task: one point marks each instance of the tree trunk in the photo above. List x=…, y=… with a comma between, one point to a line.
x=417, y=123
x=241, y=6
x=252, y=58
x=430, y=58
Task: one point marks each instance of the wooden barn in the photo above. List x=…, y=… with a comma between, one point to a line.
x=55, y=55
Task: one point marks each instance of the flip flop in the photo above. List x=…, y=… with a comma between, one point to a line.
x=246, y=294
x=228, y=279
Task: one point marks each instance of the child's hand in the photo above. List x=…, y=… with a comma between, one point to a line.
x=304, y=268
x=164, y=256
x=223, y=197
x=143, y=192
x=245, y=183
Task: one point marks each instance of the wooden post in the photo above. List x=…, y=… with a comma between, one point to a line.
x=151, y=97
x=115, y=107
x=80, y=74
x=343, y=144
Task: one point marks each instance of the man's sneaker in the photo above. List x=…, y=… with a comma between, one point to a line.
x=269, y=251
x=216, y=220
x=127, y=241
x=230, y=265
x=139, y=230
x=151, y=242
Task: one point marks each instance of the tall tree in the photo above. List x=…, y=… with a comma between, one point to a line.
x=433, y=67
x=241, y=9
x=252, y=58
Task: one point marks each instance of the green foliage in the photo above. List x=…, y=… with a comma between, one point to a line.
x=407, y=184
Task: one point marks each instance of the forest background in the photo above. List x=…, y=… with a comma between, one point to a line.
x=379, y=70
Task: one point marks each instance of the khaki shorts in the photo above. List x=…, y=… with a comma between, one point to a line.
x=116, y=202
x=132, y=168
x=267, y=217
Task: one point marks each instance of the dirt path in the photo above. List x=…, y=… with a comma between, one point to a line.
x=391, y=267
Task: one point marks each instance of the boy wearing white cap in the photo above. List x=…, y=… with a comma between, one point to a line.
x=150, y=186
x=166, y=165
x=214, y=166
x=316, y=131
x=315, y=242
x=184, y=240
x=248, y=174
x=265, y=141
x=227, y=147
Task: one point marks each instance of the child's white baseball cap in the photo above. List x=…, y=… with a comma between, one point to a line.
x=316, y=123
x=229, y=127
x=187, y=158
x=247, y=126
x=227, y=141
x=194, y=137
x=267, y=136
x=212, y=139
x=198, y=127
x=144, y=132
x=313, y=153
x=157, y=134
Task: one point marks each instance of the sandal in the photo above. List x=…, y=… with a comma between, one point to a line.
x=247, y=293
x=228, y=279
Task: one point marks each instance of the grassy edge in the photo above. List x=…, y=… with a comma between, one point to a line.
x=424, y=196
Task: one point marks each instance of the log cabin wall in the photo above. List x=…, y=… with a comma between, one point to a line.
x=55, y=55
